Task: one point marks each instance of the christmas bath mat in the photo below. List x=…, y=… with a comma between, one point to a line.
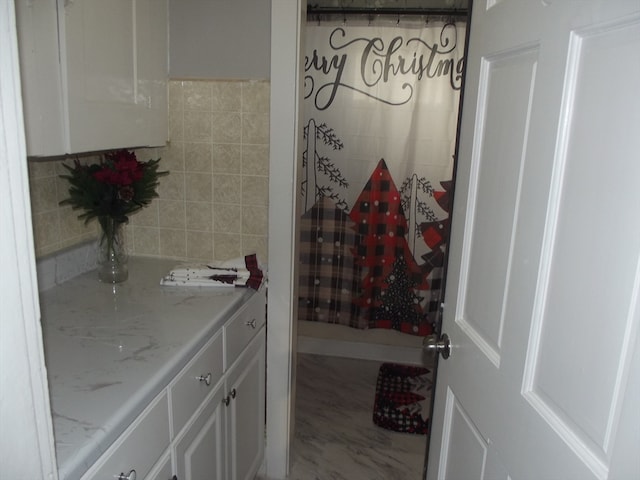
x=403, y=398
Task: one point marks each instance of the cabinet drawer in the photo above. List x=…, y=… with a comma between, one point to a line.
x=195, y=382
x=243, y=327
x=139, y=447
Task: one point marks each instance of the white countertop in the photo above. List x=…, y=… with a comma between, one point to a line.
x=111, y=349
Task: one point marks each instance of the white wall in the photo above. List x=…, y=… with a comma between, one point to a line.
x=286, y=18
x=219, y=39
x=26, y=438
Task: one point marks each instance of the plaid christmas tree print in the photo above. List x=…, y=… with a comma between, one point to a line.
x=387, y=262
x=403, y=398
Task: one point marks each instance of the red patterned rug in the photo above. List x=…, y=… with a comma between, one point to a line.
x=403, y=398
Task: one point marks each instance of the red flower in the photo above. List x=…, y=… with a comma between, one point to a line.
x=120, y=168
x=126, y=193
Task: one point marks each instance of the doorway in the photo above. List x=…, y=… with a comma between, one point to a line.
x=334, y=329
x=614, y=11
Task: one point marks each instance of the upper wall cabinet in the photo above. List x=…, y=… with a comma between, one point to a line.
x=94, y=74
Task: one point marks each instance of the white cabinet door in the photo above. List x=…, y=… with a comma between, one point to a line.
x=245, y=412
x=40, y=76
x=200, y=451
x=117, y=69
x=94, y=74
x=152, y=54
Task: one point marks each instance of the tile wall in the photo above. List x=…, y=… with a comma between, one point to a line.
x=214, y=203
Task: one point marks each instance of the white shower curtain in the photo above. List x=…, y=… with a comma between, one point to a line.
x=381, y=105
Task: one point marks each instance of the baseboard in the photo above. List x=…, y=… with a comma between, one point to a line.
x=360, y=350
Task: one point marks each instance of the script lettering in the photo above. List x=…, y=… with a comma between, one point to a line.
x=380, y=63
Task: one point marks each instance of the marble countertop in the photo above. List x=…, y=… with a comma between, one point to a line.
x=110, y=350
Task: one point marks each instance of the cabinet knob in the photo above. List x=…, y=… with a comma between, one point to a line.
x=205, y=378
x=233, y=393
x=129, y=476
x=252, y=323
x=226, y=400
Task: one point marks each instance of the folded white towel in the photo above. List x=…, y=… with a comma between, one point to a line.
x=200, y=283
x=207, y=275
x=203, y=273
x=232, y=273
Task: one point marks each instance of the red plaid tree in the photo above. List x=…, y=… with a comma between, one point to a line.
x=383, y=253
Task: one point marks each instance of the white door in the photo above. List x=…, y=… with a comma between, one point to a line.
x=543, y=287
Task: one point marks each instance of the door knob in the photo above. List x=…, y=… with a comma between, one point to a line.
x=433, y=346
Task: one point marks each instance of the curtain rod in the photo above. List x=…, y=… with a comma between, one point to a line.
x=314, y=10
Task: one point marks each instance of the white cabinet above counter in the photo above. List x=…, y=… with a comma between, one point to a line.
x=94, y=74
x=137, y=370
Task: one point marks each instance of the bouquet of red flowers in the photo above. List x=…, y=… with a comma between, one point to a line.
x=116, y=187
x=111, y=191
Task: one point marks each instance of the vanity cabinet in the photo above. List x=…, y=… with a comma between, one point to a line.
x=209, y=421
x=94, y=74
x=224, y=439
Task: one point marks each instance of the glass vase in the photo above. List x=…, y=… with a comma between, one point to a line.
x=112, y=251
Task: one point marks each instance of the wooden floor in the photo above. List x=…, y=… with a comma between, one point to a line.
x=335, y=437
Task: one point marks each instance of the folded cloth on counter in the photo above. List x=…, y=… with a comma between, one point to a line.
x=226, y=275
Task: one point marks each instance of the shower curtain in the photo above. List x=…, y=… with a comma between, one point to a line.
x=380, y=104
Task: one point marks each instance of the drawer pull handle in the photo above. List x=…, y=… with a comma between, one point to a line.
x=252, y=323
x=205, y=378
x=130, y=476
x=227, y=400
x=233, y=393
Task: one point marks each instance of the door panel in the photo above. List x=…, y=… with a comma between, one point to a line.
x=469, y=456
x=543, y=283
x=577, y=276
x=506, y=85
